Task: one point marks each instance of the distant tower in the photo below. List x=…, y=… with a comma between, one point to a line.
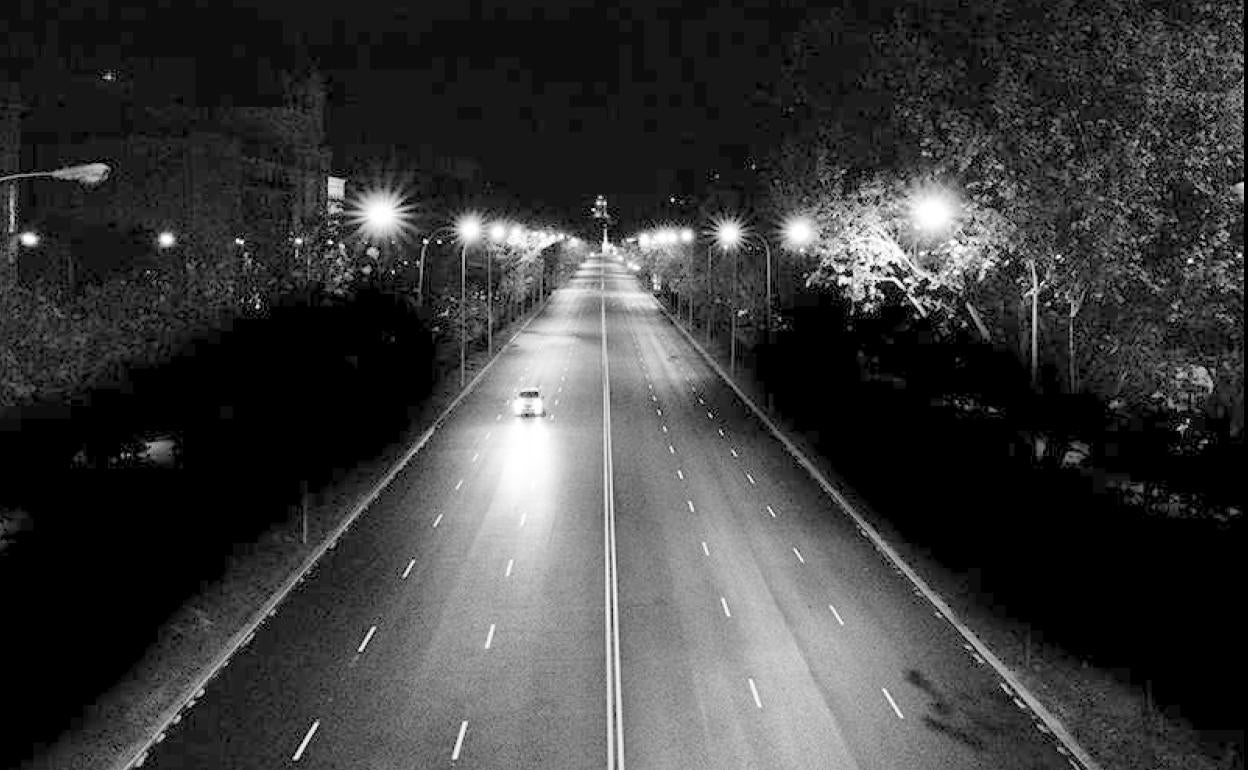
x=600, y=212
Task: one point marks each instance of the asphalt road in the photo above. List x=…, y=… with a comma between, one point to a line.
x=642, y=578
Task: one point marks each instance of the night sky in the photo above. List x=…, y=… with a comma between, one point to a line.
x=556, y=100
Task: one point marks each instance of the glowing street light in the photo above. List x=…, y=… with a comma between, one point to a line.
x=498, y=232
x=686, y=235
x=29, y=239
x=799, y=232
x=932, y=212
x=166, y=240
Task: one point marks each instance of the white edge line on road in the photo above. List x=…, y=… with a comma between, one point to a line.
x=1059, y=730
x=307, y=738
x=724, y=603
x=510, y=563
x=489, y=637
x=836, y=615
x=798, y=554
x=771, y=511
x=140, y=748
x=892, y=703
x=408, y=571
x=459, y=741
x=437, y=521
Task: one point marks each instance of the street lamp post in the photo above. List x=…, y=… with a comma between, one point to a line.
x=469, y=229
x=87, y=175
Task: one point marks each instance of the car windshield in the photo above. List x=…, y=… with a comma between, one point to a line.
x=530, y=394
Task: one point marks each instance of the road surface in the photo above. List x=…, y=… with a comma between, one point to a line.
x=642, y=578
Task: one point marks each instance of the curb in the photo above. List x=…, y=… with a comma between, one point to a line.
x=1067, y=745
x=135, y=757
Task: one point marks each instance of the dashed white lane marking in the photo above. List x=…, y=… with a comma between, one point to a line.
x=892, y=703
x=734, y=452
x=690, y=503
x=705, y=550
x=798, y=554
x=836, y=615
x=654, y=398
x=772, y=512
x=306, y=740
x=680, y=474
x=459, y=484
x=671, y=449
x=499, y=417
x=367, y=638
x=523, y=518
x=408, y=571
x=476, y=456
x=510, y=563
x=658, y=411
x=437, y=521
x=664, y=429
x=489, y=637
x=710, y=415
x=700, y=401
x=751, y=478
x=724, y=603
x=556, y=402
x=459, y=742
x=721, y=432
x=754, y=691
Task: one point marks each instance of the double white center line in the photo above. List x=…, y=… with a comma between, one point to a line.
x=611, y=611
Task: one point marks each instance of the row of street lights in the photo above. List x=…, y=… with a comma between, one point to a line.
x=930, y=212
x=385, y=215
x=730, y=234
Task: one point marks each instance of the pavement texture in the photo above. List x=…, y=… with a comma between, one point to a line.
x=641, y=577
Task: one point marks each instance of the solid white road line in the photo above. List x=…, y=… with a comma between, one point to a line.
x=751, y=478
x=459, y=741
x=408, y=571
x=836, y=615
x=754, y=691
x=306, y=740
x=510, y=564
x=892, y=703
x=489, y=638
x=367, y=637
x=772, y=512
x=724, y=603
x=798, y=554
x=611, y=601
x=437, y=521
x=459, y=484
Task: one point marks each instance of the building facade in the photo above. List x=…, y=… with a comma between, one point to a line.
x=227, y=180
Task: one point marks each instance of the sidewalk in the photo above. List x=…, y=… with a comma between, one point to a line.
x=124, y=718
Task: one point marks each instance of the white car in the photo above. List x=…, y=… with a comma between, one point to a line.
x=529, y=403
